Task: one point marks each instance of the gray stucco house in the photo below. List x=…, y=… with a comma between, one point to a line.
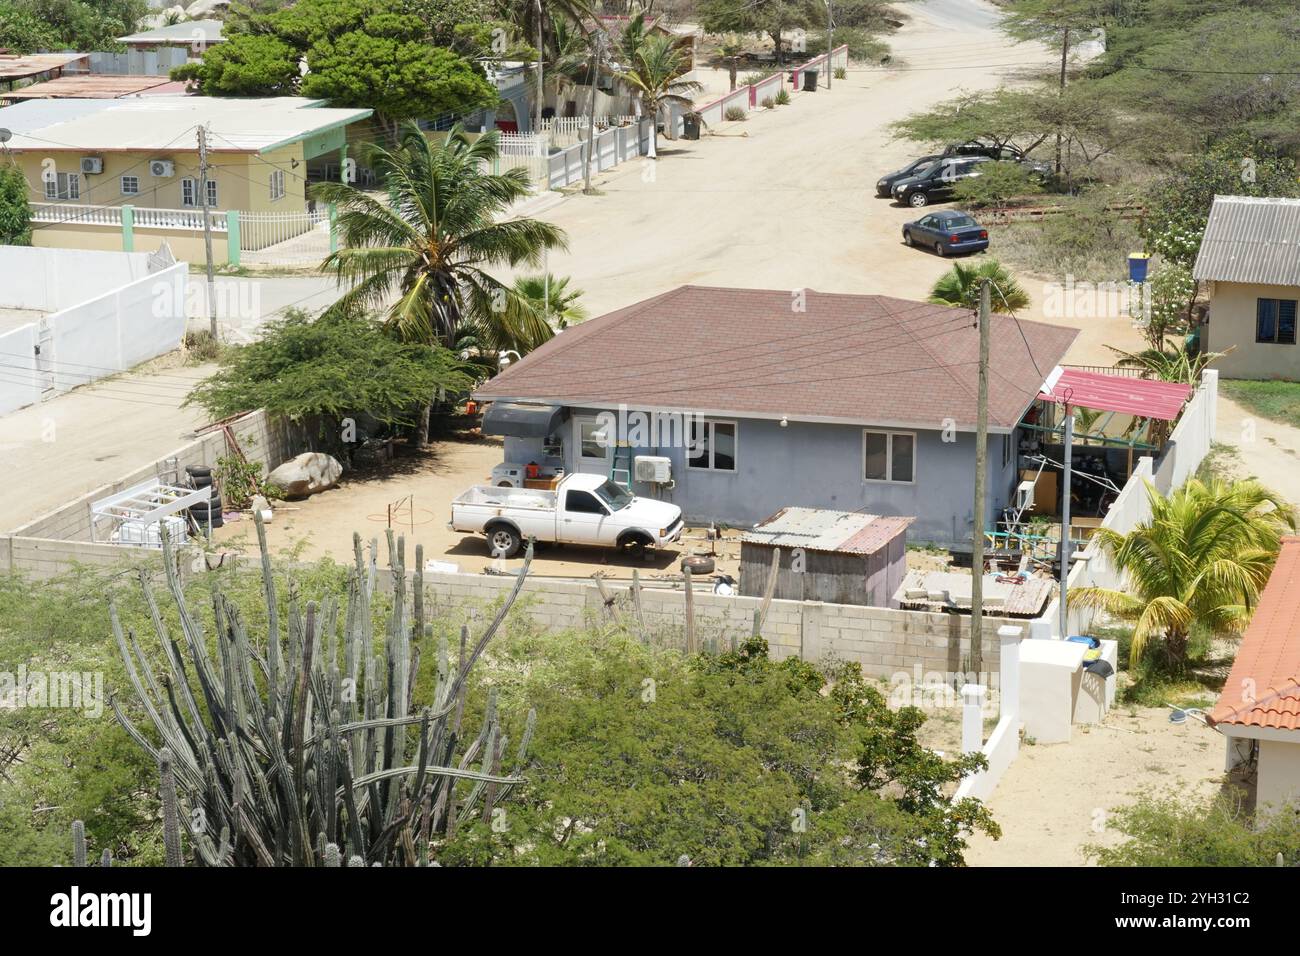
x=765, y=399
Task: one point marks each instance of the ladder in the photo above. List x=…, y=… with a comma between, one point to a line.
x=623, y=453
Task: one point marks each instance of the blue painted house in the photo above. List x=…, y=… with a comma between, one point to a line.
x=742, y=402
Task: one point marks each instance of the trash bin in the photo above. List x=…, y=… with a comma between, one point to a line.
x=810, y=80
x=1137, y=267
x=690, y=127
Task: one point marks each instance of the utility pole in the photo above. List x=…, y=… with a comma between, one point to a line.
x=598, y=39
x=541, y=86
x=981, y=479
x=207, y=230
x=1066, y=480
x=830, y=45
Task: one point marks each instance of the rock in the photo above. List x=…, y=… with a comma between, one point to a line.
x=306, y=474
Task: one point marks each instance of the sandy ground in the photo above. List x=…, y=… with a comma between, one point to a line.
x=1266, y=450
x=1055, y=799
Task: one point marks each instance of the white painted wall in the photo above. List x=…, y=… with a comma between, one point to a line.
x=18, y=383
x=1279, y=773
x=49, y=280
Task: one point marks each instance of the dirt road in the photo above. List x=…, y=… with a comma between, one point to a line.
x=786, y=198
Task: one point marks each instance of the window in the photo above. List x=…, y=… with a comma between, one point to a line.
x=277, y=184
x=130, y=185
x=190, y=192
x=1275, y=321
x=593, y=443
x=63, y=186
x=583, y=502
x=713, y=446
x=889, y=456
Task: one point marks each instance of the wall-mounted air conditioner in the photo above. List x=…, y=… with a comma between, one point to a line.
x=652, y=468
x=162, y=168
x=91, y=165
x=1025, y=496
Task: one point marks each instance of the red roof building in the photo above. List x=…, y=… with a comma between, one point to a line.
x=1259, y=709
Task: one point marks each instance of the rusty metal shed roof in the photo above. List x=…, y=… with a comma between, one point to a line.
x=820, y=529
x=1251, y=239
x=952, y=591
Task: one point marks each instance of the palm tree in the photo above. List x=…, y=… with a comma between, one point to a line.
x=961, y=286
x=1202, y=557
x=1169, y=366
x=431, y=243
x=655, y=72
x=550, y=296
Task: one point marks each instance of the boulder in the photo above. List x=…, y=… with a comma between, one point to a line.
x=307, y=474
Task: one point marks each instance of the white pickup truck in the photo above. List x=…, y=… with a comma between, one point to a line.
x=583, y=509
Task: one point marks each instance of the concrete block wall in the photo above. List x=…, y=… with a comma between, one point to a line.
x=884, y=641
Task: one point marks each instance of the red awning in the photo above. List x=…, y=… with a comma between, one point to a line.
x=1116, y=393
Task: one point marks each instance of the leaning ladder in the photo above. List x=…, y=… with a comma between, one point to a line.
x=623, y=453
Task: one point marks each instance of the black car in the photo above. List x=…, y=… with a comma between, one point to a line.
x=977, y=148
x=885, y=183
x=935, y=182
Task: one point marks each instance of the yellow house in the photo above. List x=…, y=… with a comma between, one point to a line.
x=121, y=174
x=1250, y=262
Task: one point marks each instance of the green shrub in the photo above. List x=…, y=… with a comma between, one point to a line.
x=1164, y=831
x=15, y=210
x=996, y=183
x=782, y=97
x=736, y=114
x=841, y=73
x=768, y=103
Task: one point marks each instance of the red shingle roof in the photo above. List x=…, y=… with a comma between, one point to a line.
x=866, y=359
x=1263, y=688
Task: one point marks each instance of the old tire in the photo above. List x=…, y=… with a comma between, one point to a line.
x=503, y=541
x=698, y=564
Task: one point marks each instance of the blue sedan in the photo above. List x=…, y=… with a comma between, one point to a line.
x=947, y=231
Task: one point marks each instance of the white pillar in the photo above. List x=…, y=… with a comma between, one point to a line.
x=1009, y=670
x=972, y=717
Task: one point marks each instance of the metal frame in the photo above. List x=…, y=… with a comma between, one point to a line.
x=144, y=504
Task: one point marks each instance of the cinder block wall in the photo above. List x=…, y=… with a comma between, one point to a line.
x=882, y=640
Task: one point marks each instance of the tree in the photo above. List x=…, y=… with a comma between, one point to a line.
x=400, y=79
x=1237, y=165
x=319, y=371
x=656, y=74
x=434, y=240
x=15, y=209
x=1172, y=831
x=644, y=756
x=246, y=64
x=772, y=17
x=21, y=31
x=551, y=297
x=1170, y=365
x=996, y=184
x=30, y=25
x=960, y=286
x=1201, y=559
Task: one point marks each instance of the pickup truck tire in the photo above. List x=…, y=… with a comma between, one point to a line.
x=635, y=544
x=503, y=541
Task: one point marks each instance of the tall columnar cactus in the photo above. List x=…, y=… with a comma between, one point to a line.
x=305, y=749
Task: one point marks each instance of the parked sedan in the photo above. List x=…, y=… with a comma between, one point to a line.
x=934, y=183
x=886, y=182
x=947, y=231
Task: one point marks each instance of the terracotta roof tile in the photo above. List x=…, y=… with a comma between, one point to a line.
x=1263, y=688
x=858, y=358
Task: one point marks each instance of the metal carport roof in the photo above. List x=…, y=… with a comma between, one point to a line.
x=1116, y=393
x=522, y=420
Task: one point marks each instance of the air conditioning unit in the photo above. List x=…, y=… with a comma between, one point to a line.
x=91, y=165
x=1025, y=496
x=652, y=469
x=162, y=168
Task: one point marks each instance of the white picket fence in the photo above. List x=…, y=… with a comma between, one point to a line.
x=260, y=230
x=74, y=214
x=568, y=130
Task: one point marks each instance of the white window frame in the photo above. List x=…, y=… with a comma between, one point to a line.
x=889, y=456
x=192, y=185
x=135, y=190
x=212, y=193
x=578, y=456
x=71, y=187
x=277, y=184
x=711, y=446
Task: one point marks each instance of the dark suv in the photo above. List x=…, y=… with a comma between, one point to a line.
x=977, y=148
x=935, y=182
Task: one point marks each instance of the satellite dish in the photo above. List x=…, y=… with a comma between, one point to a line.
x=5, y=135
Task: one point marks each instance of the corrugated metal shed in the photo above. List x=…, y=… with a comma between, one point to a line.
x=841, y=557
x=187, y=31
x=817, y=529
x=1251, y=239
x=93, y=86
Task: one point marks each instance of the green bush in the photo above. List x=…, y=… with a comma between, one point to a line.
x=782, y=97
x=995, y=185
x=768, y=103
x=15, y=210
x=1167, y=831
x=736, y=114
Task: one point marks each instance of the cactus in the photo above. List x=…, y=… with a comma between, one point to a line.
x=78, y=843
x=307, y=750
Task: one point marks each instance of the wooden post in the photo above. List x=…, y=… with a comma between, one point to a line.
x=690, y=609
x=760, y=615
x=636, y=601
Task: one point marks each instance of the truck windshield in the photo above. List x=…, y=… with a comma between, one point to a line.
x=615, y=496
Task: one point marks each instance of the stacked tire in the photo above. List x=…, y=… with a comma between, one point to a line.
x=206, y=514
